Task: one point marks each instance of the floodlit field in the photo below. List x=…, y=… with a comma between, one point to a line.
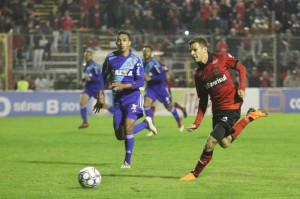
x=40, y=157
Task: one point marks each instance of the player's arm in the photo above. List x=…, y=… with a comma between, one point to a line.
x=203, y=101
x=102, y=80
x=236, y=65
x=159, y=73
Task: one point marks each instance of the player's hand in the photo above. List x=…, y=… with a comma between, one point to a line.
x=117, y=86
x=241, y=93
x=147, y=78
x=87, y=78
x=191, y=128
x=98, y=106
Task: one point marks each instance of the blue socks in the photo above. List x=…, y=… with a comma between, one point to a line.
x=174, y=112
x=129, y=143
x=139, y=127
x=83, y=114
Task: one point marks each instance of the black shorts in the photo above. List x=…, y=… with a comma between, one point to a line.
x=225, y=119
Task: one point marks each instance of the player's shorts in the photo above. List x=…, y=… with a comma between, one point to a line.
x=160, y=93
x=91, y=93
x=128, y=106
x=225, y=118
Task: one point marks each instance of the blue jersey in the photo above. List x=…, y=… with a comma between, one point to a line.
x=158, y=76
x=93, y=70
x=124, y=70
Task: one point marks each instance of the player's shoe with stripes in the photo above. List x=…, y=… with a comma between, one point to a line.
x=151, y=125
x=254, y=114
x=125, y=165
x=83, y=125
x=180, y=126
x=189, y=176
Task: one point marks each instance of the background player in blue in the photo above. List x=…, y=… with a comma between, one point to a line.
x=127, y=76
x=157, y=87
x=91, y=80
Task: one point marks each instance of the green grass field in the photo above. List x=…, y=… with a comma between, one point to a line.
x=40, y=157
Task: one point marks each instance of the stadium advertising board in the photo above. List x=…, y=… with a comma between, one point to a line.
x=43, y=103
x=284, y=100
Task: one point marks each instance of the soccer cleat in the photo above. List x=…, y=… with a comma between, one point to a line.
x=254, y=114
x=189, y=176
x=150, y=134
x=125, y=165
x=181, y=126
x=151, y=125
x=83, y=125
x=184, y=112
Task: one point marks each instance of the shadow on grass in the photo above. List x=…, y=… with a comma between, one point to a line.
x=140, y=176
x=66, y=163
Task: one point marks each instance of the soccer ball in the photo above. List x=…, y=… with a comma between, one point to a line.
x=89, y=177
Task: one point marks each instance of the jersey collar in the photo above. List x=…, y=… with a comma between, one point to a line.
x=209, y=60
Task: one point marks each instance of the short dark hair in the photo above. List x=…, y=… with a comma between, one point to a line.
x=124, y=32
x=198, y=40
x=148, y=47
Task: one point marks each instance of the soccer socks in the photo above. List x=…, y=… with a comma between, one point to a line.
x=238, y=127
x=139, y=127
x=178, y=106
x=148, y=112
x=174, y=112
x=203, y=161
x=83, y=114
x=129, y=143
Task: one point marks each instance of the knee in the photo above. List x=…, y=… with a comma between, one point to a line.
x=129, y=128
x=224, y=145
x=210, y=144
x=169, y=107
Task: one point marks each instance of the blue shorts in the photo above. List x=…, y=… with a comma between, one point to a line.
x=128, y=106
x=160, y=93
x=91, y=93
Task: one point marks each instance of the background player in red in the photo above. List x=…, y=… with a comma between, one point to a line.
x=213, y=78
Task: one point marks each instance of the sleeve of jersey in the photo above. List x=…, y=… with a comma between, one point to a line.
x=160, y=74
x=236, y=65
x=139, y=76
x=103, y=75
x=203, y=96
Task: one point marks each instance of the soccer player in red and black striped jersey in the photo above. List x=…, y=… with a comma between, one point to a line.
x=212, y=78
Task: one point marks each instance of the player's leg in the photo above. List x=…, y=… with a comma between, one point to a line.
x=119, y=122
x=181, y=108
x=252, y=114
x=83, y=111
x=147, y=106
x=205, y=158
x=171, y=108
x=153, y=107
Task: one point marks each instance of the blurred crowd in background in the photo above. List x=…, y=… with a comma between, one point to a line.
x=37, y=34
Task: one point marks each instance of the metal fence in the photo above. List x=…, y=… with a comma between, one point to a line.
x=281, y=54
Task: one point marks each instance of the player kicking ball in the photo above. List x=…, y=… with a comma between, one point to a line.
x=213, y=78
x=157, y=88
x=127, y=76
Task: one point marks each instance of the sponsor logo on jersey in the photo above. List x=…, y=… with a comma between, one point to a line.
x=215, y=61
x=122, y=72
x=216, y=69
x=129, y=64
x=133, y=108
x=110, y=58
x=224, y=119
x=136, y=59
x=216, y=81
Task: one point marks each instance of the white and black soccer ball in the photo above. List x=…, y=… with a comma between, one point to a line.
x=89, y=177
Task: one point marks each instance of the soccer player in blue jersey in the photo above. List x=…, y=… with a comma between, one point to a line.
x=157, y=87
x=127, y=76
x=91, y=80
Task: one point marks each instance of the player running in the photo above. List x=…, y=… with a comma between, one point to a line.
x=91, y=81
x=127, y=75
x=169, y=85
x=156, y=87
x=212, y=78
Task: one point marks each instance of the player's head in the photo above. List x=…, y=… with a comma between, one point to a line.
x=123, y=41
x=198, y=49
x=147, y=52
x=88, y=56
